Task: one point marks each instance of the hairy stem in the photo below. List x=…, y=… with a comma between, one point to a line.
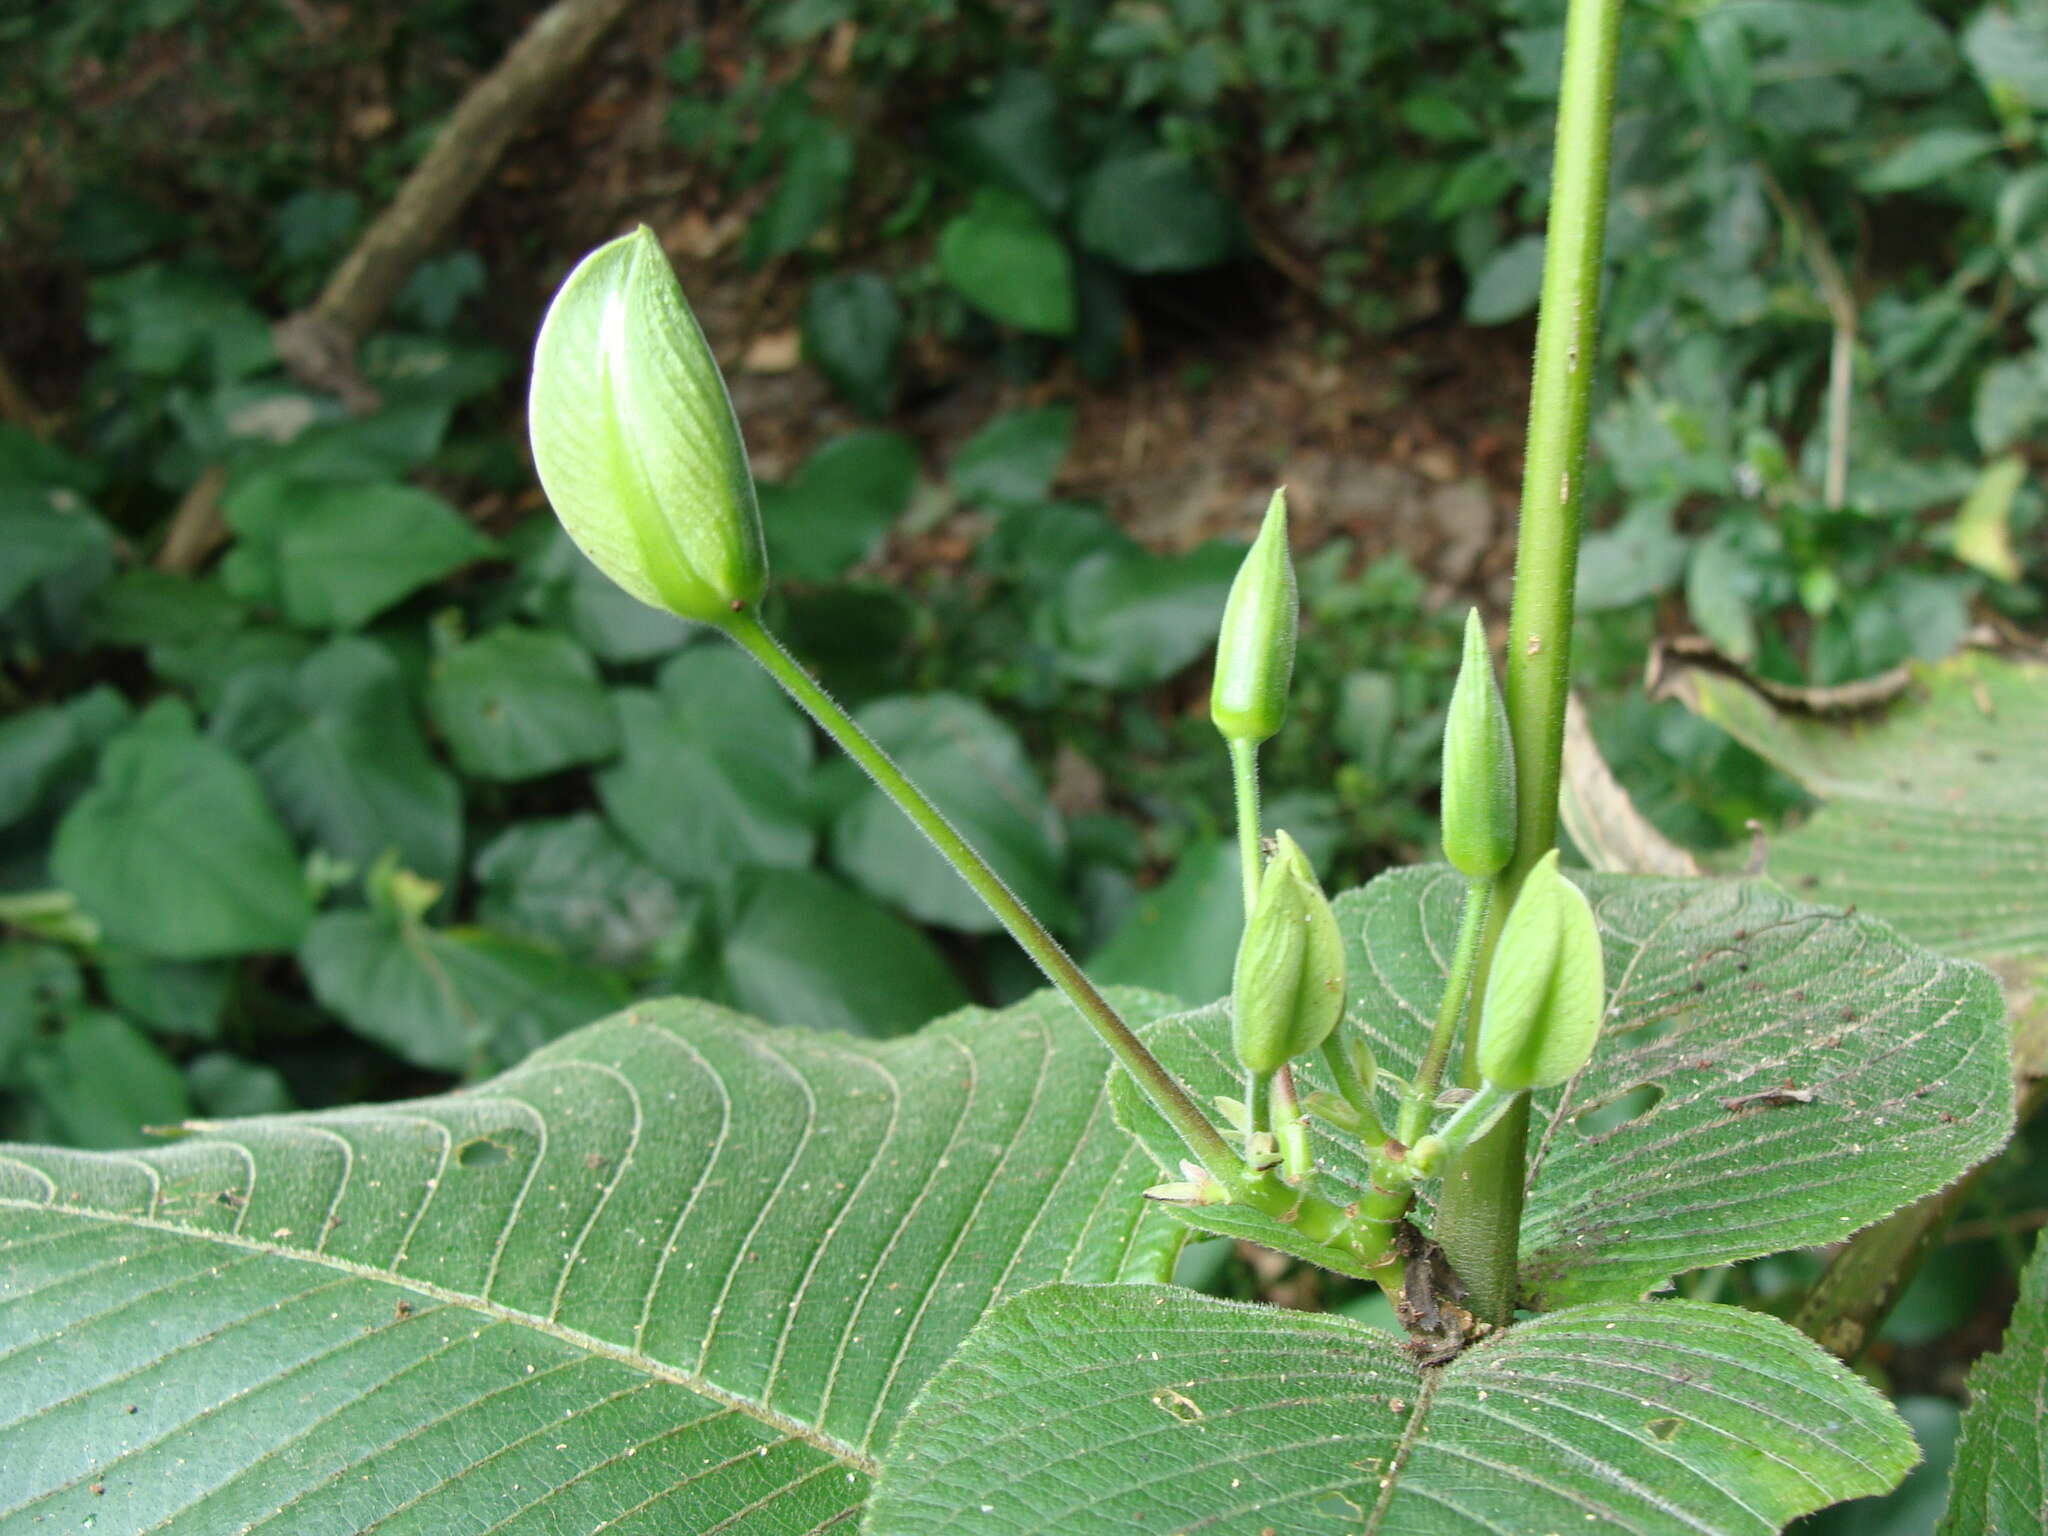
x=1244, y=773
x=1421, y=1096
x=1479, y=1220
x=1159, y=1085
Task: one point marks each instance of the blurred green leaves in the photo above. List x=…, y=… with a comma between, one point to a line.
x=175, y=851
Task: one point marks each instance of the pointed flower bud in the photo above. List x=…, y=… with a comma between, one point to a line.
x=1479, y=766
x=1255, y=649
x=1288, y=992
x=1547, y=989
x=635, y=439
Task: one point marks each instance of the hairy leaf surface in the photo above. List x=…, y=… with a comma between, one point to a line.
x=1770, y=1075
x=678, y=1272
x=1934, y=817
x=2000, y=1482
x=1110, y=1409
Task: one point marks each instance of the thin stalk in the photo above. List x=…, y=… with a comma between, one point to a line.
x=1159, y=1085
x=1421, y=1096
x=1244, y=773
x=1479, y=1221
x=1297, y=1157
x=1258, y=1101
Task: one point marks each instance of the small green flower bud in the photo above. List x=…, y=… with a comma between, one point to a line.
x=1479, y=766
x=1255, y=648
x=1547, y=990
x=1288, y=992
x=635, y=439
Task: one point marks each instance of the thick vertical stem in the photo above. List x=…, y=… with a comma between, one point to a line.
x=1480, y=1218
x=1159, y=1085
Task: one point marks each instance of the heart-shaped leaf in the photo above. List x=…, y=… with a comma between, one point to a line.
x=713, y=774
x=174, y=850
x=1102, y=1410
x=978, y=774
x=335, y=742
x=518, y=703
x=677, y=1272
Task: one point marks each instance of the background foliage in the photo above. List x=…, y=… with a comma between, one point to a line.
x=395, y=788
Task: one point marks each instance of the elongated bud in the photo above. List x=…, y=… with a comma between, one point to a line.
x=1479, y=766
x=1255, y=648
x=1547, y=990
x=635, y=439
x=1288, y=992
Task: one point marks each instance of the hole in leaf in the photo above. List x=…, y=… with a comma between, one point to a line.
x=1665, y=1429
x=1605, y=1118
x=481, y=1153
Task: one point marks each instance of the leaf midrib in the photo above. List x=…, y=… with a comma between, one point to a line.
x=574, y=1337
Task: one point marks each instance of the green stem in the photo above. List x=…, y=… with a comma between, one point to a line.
x=1421, y=1096
x=1244, y=771
x=1296, y=1154
x=1258, y=1101
x=1158, y=1084
x=1479, y=1220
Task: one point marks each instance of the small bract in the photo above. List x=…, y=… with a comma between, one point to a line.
x=1288, y=991
x=636, y=442
x=1547, y=989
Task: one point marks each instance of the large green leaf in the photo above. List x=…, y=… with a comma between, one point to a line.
x=1012, y=460
x=852, y=328
x=518, y=703
x=839, y=506
x=977, y=773
x=335, y=555
x=1154, y=211
x=677, y=1273
x=1004, y=258
x=2000, y=1483
x=1129, y=620
x=1183, y=932
x=336, y=744
x=44, y=749
x=576, y=884
x=714, y=770
x=1934, y=817
x=803, y=949
x=454, y=999
x=175, y=852
x=102, y=1081
x=1080, y=1410
x=1807, y=1072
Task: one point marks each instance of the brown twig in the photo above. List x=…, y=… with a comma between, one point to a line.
x=317, y=345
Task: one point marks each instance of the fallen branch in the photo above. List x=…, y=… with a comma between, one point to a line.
x=317, y=346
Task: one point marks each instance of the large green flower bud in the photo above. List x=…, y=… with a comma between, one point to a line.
x=1255, y=649
x=1479, y=766
x=1547, y=989
x=1288, y=992
x=635, y=439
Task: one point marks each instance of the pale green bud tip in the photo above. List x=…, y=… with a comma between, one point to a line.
x=1255, y=648
x=636, y=442
x=1479, y=766
x=1547, y=989
x=1288, y=991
